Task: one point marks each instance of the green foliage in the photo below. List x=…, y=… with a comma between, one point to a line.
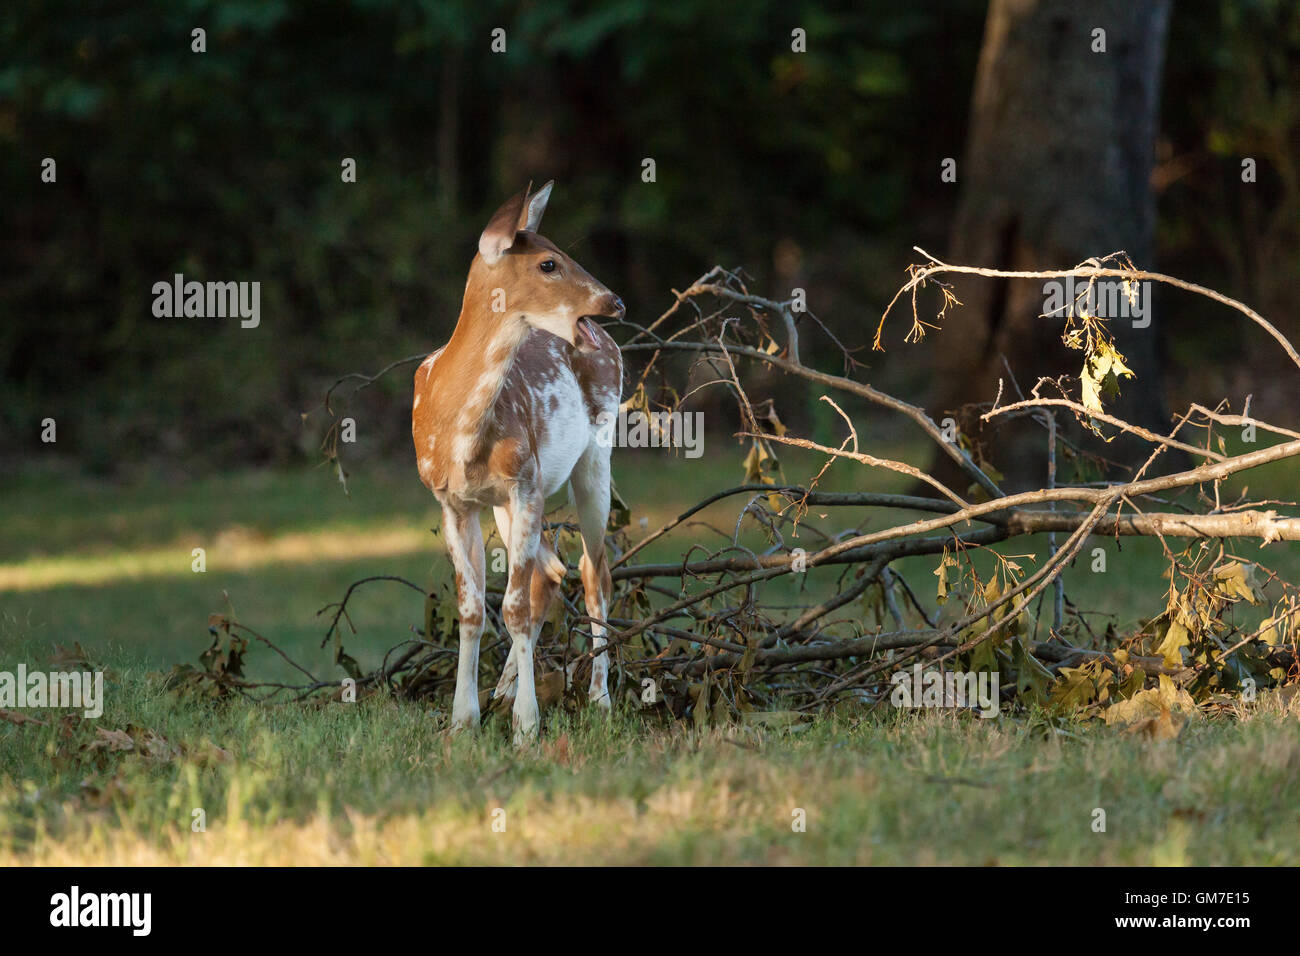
x=224, y=165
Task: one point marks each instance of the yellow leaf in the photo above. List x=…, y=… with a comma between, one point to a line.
x=1159, y=712
x=1091, y=390
x=1074, y=689
x=1270, y=632
x=1231, y=579
x=992, y=591
x=1176, y=638
x=754, y=466
x=1113, y=361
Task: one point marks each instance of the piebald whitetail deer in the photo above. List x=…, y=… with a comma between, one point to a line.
x=503, y=415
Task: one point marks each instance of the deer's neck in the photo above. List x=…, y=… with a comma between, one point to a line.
x=482, y=351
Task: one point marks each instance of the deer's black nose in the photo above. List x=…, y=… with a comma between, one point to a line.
x=617, y=305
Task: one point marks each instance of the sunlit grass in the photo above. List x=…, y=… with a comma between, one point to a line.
x=231, y=550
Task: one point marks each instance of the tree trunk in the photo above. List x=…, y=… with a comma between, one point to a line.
x=1057, y=170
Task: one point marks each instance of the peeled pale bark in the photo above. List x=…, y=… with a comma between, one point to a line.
x=1057, y=169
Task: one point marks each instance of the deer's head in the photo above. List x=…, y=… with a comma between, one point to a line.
x=526, y=277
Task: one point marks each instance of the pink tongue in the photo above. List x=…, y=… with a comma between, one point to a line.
x=588, y=334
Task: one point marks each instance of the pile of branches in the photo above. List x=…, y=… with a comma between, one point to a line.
x=701, y=638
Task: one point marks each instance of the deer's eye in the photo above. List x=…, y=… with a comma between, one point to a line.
x=547, y=265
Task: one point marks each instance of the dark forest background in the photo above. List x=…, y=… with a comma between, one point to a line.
x=818, y=169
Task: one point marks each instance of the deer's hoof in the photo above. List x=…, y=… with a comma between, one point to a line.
x=525, y=731
x=464, y=723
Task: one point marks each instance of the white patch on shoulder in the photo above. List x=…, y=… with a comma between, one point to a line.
x=559, y=323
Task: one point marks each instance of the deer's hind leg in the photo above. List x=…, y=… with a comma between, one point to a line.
x=464, y=538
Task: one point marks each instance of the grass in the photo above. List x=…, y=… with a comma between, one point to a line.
x=378, y=783
x=109, y=566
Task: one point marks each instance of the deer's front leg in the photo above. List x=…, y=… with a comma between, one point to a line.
x=591, y=493
x=516, y=607
x=548, y=574
x=464, y=540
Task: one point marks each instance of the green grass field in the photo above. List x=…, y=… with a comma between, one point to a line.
x=110, y=566
x=376, y=782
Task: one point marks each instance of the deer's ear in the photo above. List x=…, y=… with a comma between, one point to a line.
x=501, y=228
x=531, y=219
